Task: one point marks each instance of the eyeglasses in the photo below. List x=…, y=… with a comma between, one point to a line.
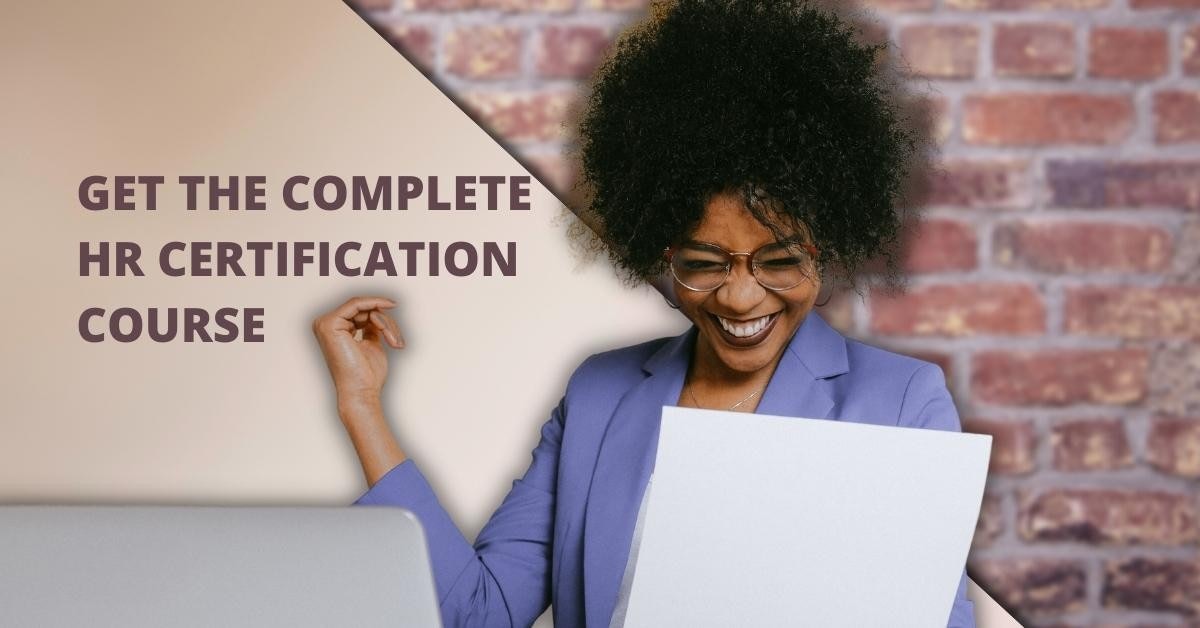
x=703, y=266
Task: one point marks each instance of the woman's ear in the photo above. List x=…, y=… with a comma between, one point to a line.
x=665, y=284
x=821, y=284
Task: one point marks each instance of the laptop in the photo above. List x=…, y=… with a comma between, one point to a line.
x=132, y=566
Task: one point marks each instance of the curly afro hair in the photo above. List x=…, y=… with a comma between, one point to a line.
x=778, y=101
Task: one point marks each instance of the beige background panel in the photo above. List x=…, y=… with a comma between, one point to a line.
x=270, y=89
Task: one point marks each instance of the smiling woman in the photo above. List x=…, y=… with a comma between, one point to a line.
x=745, y=319
x=743, y=153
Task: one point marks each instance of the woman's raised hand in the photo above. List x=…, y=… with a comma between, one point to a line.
x=358, y=366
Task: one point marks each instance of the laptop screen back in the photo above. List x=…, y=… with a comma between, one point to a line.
x=209, y=566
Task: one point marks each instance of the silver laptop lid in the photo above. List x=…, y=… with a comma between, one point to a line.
x=213, y=566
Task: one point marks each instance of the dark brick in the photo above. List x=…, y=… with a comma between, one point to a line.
x=1153, y=585
x=1108, y=517
x=1033, y=585
x=1100, y=184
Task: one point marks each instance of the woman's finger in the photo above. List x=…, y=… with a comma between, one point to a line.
x=378, y=331
x=380, y=322
x=356, y=305
x=393, y=329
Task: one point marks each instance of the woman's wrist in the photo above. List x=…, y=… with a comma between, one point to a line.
x=370, y=434
x=355, y=409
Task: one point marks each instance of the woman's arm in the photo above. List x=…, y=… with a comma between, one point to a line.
x=377, y=449
x=504, y=579
x=358, y=367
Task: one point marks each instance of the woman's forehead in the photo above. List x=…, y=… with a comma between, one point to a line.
x=727, y=222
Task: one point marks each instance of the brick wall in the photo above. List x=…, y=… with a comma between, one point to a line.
x=1055, y=278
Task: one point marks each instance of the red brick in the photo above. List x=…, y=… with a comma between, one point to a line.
x=1036, y=119
x=1060, y=376
x=1173, y=446
x=959, y=310
x=1109, y=517
x=1176, y=116
x=571, y=51
x=1189, y=50
x=1152, y=584
x=900, y=5
x=991, y=521
x=1135, y=312
x=522, y=116
x=1097, y=184
x=982, y=184
x=615, y=5
x=1070, y=246
x=1127, y=53
x=527, y=6
x=1034, y=49
x=439, y=5
x=940, y=245
x=1164, y=4
x=1090, y=445
x=415, y=42
x=371, y=5
x=1024, y=5
x=1033, y=585
x=940, y=50
x=1013, y=444
x=484, y=52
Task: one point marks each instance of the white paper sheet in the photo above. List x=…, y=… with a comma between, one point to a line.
x=756, y=520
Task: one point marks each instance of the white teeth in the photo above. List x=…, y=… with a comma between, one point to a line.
x=743, y=330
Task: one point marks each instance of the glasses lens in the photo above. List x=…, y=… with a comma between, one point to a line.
x=700, y=267
x=782, y=266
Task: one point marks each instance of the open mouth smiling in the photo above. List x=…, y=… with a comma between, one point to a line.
x=745, y=333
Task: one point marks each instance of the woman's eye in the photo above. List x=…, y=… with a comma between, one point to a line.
x=780, y=262
x=699, y=265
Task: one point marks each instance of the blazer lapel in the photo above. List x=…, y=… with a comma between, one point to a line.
x=798, y=388
x=623, y=466
x=627, y=452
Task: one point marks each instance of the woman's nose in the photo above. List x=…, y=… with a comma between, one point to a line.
x=741, y=291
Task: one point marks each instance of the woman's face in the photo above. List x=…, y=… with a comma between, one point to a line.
x=741, y=302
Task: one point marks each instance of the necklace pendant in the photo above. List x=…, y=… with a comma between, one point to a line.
x=733, y=407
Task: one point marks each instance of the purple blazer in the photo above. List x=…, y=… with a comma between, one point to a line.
x=562, y=534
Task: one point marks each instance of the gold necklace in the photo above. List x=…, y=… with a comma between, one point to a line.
x=733, y=407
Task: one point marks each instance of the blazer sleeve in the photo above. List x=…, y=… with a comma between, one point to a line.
x=927, y=404
x=504, y=578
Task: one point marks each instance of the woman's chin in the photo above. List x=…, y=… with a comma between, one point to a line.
x=746, y=360
x=740, y=364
